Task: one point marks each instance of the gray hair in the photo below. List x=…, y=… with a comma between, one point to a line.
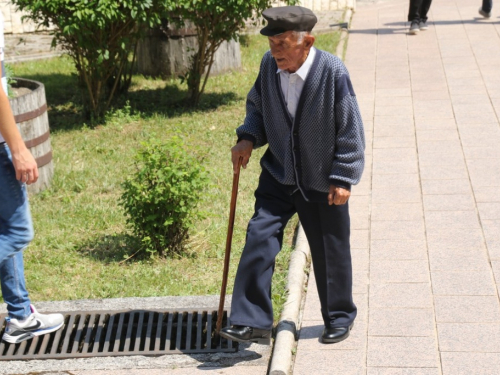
x=299, y=35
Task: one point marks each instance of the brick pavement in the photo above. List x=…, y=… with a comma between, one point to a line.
x=426, y=216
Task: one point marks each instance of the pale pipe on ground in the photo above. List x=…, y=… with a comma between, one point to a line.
x=289, y=321
x=344, y=34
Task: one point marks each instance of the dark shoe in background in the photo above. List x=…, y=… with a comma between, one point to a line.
x=484, y=14
x=414, y=28
x=423, y=26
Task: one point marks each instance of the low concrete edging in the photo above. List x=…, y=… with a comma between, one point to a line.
x=289, y=322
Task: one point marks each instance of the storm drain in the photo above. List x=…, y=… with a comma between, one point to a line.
x=122, y=333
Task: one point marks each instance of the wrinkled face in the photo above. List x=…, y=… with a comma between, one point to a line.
x=288, y=53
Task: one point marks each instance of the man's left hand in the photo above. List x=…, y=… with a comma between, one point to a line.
x=338, y=195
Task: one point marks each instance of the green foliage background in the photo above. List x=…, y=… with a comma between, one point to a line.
x=101, y=38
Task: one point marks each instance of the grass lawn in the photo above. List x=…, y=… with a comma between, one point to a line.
x=81, y=239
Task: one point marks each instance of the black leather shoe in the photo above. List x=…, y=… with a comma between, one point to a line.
x=337, y=334
x=246, y=334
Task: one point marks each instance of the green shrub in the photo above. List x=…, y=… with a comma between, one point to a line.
x=101, y=37
x=9, y=73
x=160, y=197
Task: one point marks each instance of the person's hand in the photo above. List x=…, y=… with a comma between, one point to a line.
x=244, y=150
x=338, y=196
x=25, y=166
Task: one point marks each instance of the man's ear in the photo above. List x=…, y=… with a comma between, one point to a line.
x=309, y=41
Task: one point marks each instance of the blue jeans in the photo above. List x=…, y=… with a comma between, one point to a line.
x=16, y=232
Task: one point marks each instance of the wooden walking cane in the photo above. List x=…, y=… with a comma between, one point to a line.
x=229, y=239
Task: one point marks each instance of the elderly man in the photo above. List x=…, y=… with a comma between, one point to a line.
x=303, y=106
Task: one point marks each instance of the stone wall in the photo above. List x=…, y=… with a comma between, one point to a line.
x=29, y=46
x=323, y=5
x=12, y=19
x=22, y=40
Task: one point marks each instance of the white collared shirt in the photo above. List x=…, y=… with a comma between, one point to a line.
x=293, y=83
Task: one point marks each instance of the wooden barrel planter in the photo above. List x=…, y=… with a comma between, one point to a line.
x=30, y=113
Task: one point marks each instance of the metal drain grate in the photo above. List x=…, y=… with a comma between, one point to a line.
x=122, y=333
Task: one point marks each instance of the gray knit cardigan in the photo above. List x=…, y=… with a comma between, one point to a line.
x=325, y=142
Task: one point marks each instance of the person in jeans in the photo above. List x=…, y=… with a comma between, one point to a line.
x=17, y=168
x=485, y=9
x=417, y=15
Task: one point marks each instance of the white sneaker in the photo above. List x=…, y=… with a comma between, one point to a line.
x=35, y=325
x=483, y=13
x=414, y=28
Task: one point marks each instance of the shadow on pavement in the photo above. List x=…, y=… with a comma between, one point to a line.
x=399, y=27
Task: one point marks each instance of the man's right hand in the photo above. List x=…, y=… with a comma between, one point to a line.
x=244, y=150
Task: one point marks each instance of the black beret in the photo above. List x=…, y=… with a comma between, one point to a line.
x=289, y=18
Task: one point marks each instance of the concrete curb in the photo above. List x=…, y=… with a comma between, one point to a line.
x=289, y=322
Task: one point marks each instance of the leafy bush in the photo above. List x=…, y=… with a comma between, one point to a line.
x=9, y=74
x=100, y=36
x=161, y=196
x=215, y=22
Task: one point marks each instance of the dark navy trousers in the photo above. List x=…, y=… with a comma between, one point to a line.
x=327, y=229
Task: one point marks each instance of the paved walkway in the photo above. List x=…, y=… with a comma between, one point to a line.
x=426, y=216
